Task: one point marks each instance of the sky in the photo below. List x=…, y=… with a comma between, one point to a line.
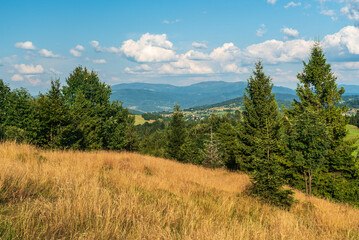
x=174, y=42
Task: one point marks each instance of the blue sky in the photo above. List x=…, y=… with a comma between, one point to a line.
x=175, y=42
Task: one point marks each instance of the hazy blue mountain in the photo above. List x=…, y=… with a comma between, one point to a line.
x=149, y=97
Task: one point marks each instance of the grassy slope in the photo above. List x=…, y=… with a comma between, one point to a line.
x=353, y=133
x=107, y=195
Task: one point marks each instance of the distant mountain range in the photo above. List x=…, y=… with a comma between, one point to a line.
x=147, y=97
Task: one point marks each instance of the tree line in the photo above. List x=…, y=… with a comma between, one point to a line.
x=302, y=146
x=77, y=116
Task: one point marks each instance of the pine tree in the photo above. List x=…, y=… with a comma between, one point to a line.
x=175, y=134
x=318, y=92
x=228, y=137
x=52, y=114
x=261, y=138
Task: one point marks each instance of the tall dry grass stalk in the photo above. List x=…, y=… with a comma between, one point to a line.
x=108, y=195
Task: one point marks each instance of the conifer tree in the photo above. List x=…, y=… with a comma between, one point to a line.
x=308, y=142
x=176, y=134
x=318, y=92
x=261, y=138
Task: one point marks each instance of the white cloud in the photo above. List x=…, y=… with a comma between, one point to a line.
x=100, y=61
x=98, y=48
x=271, y=1
x=274, y=51
x=29, y=69
x=261, y=31
x=347, y=39
x=79, y=47
x=48, y=54
x=149, y=48
x=75, y=53
x=196, y=55
x=143, y=68
x=227, y=52
x=199, y=45
x=25, y=45
x=293, y=4
x=351, y=10
x=94, y=43
x=290, y=32
x=17, y=78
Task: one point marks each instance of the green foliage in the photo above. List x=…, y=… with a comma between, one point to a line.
x=228, y=138
x=52, y=114
x=151, y=116
x=261, y=138
x=89, y=84
x=318, y=93
x=175, y=134
x=308, y=142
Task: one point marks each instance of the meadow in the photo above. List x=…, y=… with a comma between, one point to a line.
x=112, y=195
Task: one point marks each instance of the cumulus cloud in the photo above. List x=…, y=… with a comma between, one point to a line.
x=17, y=78
x=199, y=45
x=293, y=4
x=29, y=69
x=261, y=31
x=79, y=47
x=75, y=53
x=25, y=45
x=149, y=48
x=48, y=54
x=196, y=55
x=274, y=51
x=347, y=39
x=227, y=52
x=290, y=32
x=271, y=1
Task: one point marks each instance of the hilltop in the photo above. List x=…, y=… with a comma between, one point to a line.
x=111, y=195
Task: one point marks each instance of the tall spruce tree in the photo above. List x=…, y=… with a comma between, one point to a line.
x=176, y=134
x=318, y=92
x=262, y=140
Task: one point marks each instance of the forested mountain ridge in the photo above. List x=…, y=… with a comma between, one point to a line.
x=148, y=97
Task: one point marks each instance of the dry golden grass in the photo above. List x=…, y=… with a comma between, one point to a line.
x=107, y=195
